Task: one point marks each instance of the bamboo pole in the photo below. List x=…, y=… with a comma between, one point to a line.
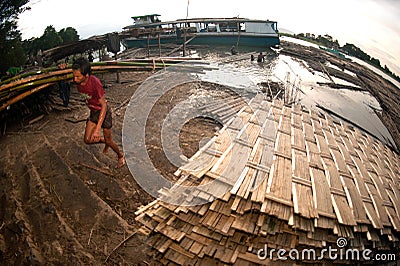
x=178, y=48
x=23, y=95
x=159, y=44
x=67, y=73
x=28, y=74
x=51, y=79
x=18, y=89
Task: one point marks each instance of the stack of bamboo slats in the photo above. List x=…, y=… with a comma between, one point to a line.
x=282, y=177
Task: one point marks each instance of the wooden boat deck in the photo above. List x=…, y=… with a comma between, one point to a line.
x=280, y=176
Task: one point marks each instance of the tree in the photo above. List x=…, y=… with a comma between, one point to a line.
x=356, y=52
x=68, y=35
x=328, y=41
x=11, y=52
x=375, y=62
x=50, y=38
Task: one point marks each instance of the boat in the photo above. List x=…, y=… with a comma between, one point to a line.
x=149, y=30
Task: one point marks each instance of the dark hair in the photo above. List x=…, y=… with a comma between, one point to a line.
x=83, y=65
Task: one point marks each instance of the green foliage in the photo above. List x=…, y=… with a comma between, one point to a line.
x=375, y=62
x=11, y=51
x=50, y=39
x=68, y=35
x=353, y=50
x=9, y=11
x=327, y=41
x=11, y=54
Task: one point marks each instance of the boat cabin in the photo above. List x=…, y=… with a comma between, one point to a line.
x=146, y=19
x=230, y=25
x=261, y=27
x=203, y=31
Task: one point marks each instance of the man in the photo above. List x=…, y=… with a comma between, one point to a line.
x=92, y=90
x=233, y=50
x=260, y=57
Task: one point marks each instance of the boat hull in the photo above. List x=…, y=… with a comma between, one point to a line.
x=243, y=39
x=145, y=42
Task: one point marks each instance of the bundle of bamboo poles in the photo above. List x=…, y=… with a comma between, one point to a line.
x=17, y=88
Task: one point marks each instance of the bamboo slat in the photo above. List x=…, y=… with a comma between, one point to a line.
x=313, y=155
x=340, y=201
x=322, y=195
x=360, y=209
x=297, y=120
x=302, y=186
x=279, y=188
x=298, y=141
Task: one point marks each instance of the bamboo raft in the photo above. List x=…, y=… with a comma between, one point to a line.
x=283, y=177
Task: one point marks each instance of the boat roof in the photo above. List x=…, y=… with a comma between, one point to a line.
x=201, y=20
x=144, y=16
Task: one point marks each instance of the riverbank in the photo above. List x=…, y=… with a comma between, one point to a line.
x=62, y=201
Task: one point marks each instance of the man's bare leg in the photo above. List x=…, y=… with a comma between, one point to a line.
x=110, y=143
x=105, y=150
x=89, y=130
x=90, y=127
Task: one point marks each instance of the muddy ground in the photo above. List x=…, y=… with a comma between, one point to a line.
x=63, y=203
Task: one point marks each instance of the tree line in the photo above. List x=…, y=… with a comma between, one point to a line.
x=15, y=52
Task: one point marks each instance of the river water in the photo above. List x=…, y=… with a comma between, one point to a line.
x=239, y=72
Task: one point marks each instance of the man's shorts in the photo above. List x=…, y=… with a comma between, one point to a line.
x=95, y=114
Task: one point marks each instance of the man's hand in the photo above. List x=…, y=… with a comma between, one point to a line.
x=96, y=135
x=63, y=66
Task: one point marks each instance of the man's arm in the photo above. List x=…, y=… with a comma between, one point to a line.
x=96, y=133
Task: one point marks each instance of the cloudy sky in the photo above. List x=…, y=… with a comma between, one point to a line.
x=372, y=25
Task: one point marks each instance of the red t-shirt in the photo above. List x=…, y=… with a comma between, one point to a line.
x=92, y=91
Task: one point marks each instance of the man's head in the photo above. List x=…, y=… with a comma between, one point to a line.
x=81, y=70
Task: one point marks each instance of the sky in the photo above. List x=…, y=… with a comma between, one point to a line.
x=371, y=25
